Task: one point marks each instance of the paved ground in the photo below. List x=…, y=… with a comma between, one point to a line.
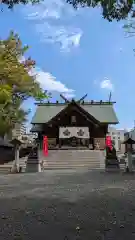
x=67, y=205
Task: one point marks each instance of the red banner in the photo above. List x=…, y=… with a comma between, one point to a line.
x=109, y=142
x=45, y=145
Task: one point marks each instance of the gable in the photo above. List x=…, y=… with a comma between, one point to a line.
x=74, y=109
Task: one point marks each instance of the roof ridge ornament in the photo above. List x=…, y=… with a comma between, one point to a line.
x=73, y=100
x=65, y=99
x=110, y=97
x=82, y=98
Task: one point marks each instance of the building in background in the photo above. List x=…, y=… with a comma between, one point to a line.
x=28, y=138
x=118, y=137
x=130, y=134
x=21, y=133
x=19, y=130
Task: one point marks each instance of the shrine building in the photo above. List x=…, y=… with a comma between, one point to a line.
x=75, y=124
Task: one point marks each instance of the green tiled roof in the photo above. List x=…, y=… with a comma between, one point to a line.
x=44, y=113
x=104, y=113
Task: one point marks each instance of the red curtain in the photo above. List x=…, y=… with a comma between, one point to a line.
x=109, y=142
x=45, y=145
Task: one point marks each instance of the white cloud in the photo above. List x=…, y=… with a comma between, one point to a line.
x=48, y=82
x=107, y=84
x=47, y=18
x=49, y=9
x=67, y=38
x=69, y=95
x=21, y=59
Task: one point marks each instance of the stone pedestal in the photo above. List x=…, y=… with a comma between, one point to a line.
x=33, y=163
x=129, y=156
x=32, y=167
x=15, y=167
x=102, y=159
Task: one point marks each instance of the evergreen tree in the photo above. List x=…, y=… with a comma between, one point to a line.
x=111, y=9
x=16, y=84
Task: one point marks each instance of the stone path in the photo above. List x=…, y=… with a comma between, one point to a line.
x=67, y=205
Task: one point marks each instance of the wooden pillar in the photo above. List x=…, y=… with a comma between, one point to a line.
x=88, y=142
x=59, y=143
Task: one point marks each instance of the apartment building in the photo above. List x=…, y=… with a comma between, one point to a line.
x=28, y=137
x=18, y=130
x=118, y=137
x=130, y=134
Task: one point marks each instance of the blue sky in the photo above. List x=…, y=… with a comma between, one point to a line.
x=77, y=52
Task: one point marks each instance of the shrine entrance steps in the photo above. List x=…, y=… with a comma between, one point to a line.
x=72, y=159
x=64, y=159
x=6, y=167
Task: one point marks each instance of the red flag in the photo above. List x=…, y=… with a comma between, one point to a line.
x=109, y=142
x=45, y=145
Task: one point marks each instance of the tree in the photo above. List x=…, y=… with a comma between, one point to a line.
x=111, y=9
x=16, y=83
x=129, y=28
x=12, y=3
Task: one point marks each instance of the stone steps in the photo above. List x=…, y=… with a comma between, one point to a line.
x=6, y=168
x=72, y=163
x=64, y=159
x=71, y=167
x=73, y=159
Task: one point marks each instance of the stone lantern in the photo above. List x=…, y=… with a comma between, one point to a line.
x=129, y=146
x=33, y=161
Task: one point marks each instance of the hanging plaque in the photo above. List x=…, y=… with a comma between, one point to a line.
x=78, y=132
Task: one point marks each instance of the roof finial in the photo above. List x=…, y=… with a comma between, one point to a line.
x=82, y=98
x=64, y=98
x=110, y=96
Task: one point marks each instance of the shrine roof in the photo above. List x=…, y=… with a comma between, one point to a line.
x=103, y=112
